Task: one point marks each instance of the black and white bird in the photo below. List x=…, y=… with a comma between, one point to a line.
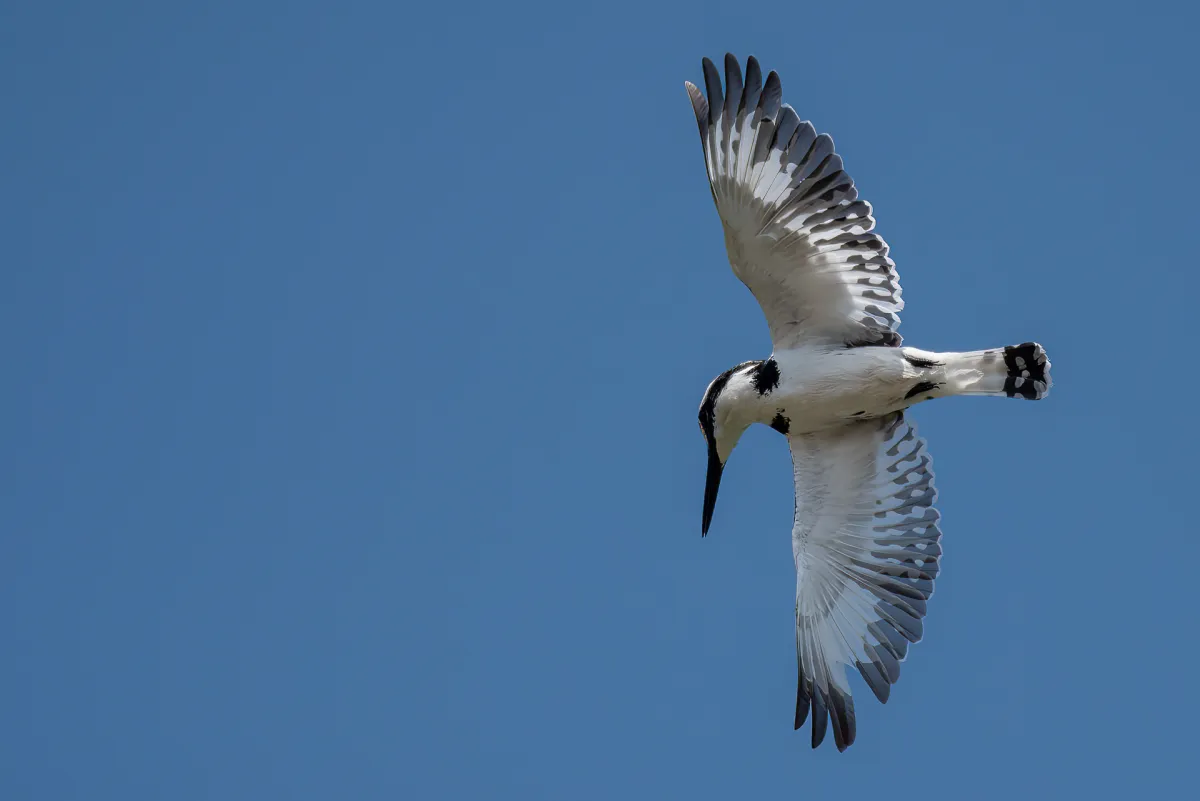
x=865, y=535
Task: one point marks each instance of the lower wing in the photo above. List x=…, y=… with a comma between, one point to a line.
x=866, y=543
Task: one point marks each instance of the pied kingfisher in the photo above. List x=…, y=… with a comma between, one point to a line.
x=865, y=535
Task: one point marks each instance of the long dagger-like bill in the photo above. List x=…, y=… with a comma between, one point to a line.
x=712, y=482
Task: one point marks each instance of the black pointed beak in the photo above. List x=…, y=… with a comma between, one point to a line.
x=711, y=483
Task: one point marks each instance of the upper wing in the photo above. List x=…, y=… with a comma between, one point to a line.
x=795, y=231
x=866, y=543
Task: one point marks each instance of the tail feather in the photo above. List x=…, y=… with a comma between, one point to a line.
x=1028, y=371
x=1016, y=371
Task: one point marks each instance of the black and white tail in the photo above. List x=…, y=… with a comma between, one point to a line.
x=1017, y=371
x=1027, y=371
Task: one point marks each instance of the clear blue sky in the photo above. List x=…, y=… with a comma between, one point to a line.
x=352, y=355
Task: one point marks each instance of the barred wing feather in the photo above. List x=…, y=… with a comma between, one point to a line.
x=866, y=544
x=796, y=233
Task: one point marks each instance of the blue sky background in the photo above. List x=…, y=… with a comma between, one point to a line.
x=352, y=355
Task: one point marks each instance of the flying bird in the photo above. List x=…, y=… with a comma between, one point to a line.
x=865, y=534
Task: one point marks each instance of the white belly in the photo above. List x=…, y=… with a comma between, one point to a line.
x=823, y=387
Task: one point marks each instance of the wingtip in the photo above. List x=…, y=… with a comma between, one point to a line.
x=699, y=106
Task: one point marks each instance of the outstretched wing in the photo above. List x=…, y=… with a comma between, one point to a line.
x=866, y=543
x=795, y=231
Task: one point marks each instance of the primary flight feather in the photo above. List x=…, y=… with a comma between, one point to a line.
x=865, y=534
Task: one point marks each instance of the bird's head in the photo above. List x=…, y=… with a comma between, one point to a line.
x=723, y=418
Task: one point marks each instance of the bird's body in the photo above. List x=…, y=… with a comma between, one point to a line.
x=812, y=388
x=865, y=536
